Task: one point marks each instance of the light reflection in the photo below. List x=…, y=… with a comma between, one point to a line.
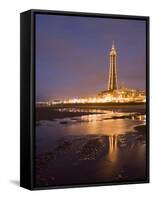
x=111, y=128
x=113, y=145
x=105, y=124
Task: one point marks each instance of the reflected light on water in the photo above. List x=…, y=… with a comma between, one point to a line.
x=109, y=124
x=106, y=142
x=91, y=118
x=112, y=128
x=116, y=127
x=112, y=154
x=107, y=127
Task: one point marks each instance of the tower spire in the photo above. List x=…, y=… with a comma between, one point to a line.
x=113, y=45
x=112, y=81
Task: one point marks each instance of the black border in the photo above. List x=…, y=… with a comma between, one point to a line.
x=26, y=159
x=31, y=41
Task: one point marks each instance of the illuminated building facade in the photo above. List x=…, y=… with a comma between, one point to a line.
x=112, y=81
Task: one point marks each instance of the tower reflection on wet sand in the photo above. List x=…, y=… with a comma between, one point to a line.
x=112, y=154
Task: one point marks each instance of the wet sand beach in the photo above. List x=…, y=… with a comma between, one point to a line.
x=62, y=111
x=90, y=146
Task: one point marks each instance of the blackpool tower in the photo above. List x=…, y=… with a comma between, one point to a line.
x=112, y=81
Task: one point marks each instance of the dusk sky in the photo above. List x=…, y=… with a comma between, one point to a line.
x=72, y=55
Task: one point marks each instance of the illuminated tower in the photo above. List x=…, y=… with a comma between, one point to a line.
x=112, y=81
